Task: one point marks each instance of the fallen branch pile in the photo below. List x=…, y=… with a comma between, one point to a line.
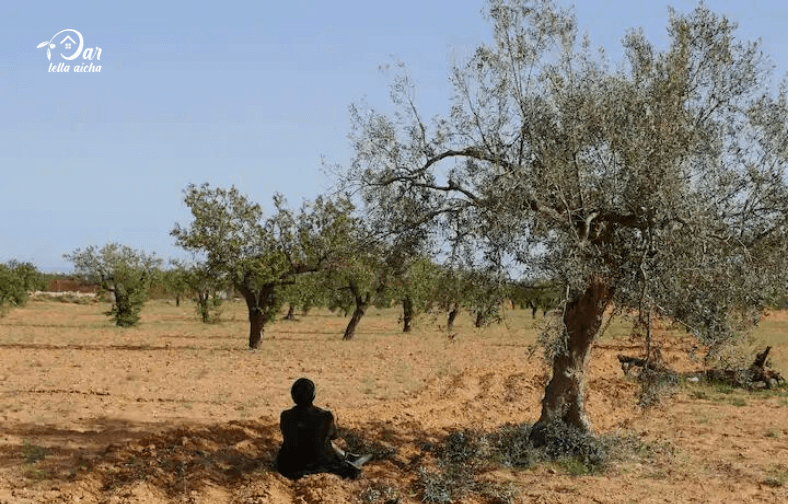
x=757, y=376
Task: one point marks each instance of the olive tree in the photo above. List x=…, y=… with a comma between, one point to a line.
x=197, y=280
x=305, y=293
x=656, y=185
x=259, y=256
x=415, y=284
x=127, y=274
x=358, y=276
x=16, y=280
x=174, y=280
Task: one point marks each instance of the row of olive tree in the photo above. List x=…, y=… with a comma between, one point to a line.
x=353, y=272
x=324, y=255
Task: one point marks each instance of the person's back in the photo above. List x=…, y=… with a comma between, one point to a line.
x=308, y=431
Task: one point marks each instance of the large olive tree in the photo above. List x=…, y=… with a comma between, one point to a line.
x=656, y=185
x=258, y=256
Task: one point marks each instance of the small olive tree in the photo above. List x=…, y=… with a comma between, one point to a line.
x=415, y=284
x=127, y=274
x=659, y=185
x=17, y=279
x=201, y=283
x=174, y=281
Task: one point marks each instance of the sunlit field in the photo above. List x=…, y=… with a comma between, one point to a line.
x=174, y=410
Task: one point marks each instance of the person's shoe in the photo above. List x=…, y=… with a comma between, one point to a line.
x=358, y=461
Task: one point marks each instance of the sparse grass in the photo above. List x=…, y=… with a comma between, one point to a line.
x=721, y=392
x=379, y=493
x=723, y=388
x=33, y=453
x=655, y=386
x=780, y=391
x=369, y=386
x=699, y=394
x=463, y=456
x=777, y=476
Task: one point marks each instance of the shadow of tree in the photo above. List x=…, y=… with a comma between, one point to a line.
x=116, y=453
x=52, y=452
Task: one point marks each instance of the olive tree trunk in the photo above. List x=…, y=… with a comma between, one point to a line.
x=258, y=302
x=452, y=316
x=256, y=327
x=362, y=303
x=564, y=395
x=202, y=306
x=407, y=314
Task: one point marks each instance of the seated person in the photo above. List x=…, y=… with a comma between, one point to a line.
x=308, y=432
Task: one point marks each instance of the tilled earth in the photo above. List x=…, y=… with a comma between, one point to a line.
x=177, y=411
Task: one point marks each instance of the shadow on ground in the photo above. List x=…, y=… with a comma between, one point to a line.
x=114, y=454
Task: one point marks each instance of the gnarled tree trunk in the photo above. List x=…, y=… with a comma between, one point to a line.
x=258, y=317
x=256, y=327
x=564, y=395
x=362, y=303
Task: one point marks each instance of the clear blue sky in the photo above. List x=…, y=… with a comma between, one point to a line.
x=250, y=94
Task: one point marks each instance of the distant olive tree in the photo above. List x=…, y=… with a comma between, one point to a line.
x=17, y=279
x=305, y=293
x=658, y=185
x=542, y=294
x=201, y=283
x=174, y=281
x=127, y=274
x=259, y=256
x=415, y=283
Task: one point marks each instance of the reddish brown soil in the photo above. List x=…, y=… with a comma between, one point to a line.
x=176, y=411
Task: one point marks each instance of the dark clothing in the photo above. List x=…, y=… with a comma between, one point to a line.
x=307, y=449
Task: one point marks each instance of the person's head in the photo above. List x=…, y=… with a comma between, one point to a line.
x=303, y=392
